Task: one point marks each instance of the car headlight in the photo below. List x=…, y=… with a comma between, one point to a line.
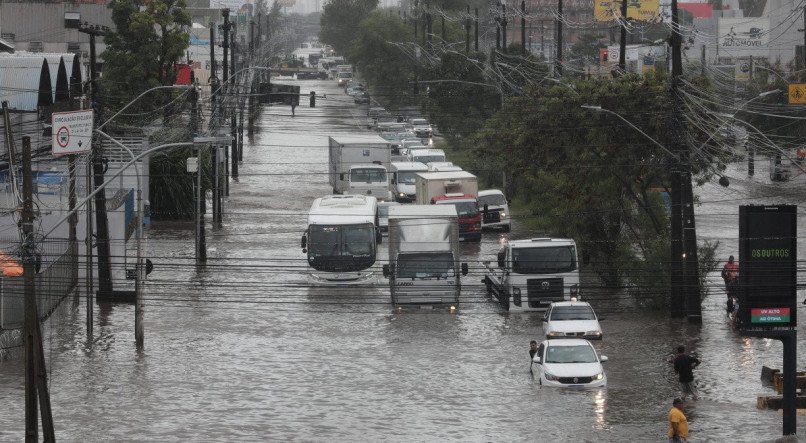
x=574, y=289
x=551, y=377
x=503, y=214
x=596, y=333
x=552, y=334
x=598, y=376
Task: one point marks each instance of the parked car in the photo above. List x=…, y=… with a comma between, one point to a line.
x=571, y=363
x=571, y=319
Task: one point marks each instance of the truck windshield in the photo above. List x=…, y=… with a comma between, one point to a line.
x=572, y=313
x=428, y=158
x=407, y=177
x=369, y=175
x=425, y=265
x=340, y=248
x=492, y=200
x=463, y=209
x=544, y=260
x=345, y=75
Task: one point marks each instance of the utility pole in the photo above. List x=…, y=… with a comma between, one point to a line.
x=415, y=19
x=504, y=27
x=476, y=44
x=226, y=87
x=497, y=33
x=559, y=63
x=36, y=387
x=258, y=42
x=252, y=39
x=102, y=224
x=233, y=127
x=467, y=31
x=685, y=294
x=213, y=78
x=429, y=34
x=523, y=26
x=622, y=55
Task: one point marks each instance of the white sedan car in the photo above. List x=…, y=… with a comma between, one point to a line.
x=571, y=319
x=569, y=363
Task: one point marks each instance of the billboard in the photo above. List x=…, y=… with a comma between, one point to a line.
x=767, y=266
x=642, y=10
x=282, y=94
x=744, y=36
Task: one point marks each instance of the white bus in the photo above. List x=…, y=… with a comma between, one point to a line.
x=341, y=238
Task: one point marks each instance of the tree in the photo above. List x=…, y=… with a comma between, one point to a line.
x=586, y=50
x=146, y=43
x=340, y=19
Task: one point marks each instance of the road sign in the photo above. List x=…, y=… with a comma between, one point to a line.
x=72, y=132
x=797, y=94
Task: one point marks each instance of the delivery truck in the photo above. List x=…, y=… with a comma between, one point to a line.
x=359, y=164
x=424, y=267
x=458, y=188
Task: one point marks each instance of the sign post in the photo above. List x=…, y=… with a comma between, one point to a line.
x=72, y=132
x=768, y=279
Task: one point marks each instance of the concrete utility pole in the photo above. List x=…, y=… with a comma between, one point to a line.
x=504, y=27
x=105, y=287
x=559, y=63
x=234, y=115
x=523, y=27
x=476, y=22
x=622, y=55
x=685, y=294
x=467, y=31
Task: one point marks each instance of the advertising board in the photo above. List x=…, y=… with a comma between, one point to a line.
x=641, y=10
x=767, y=266
x=744, y=36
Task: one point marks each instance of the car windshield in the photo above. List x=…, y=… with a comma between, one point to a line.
x=407, y=177
x=492, y=200
x=368, y=175
x=419, y=122
x=572, y=313
x=428, y=158
x=543, y=260
x=570, y=354
x=464, y=209
x=425, y=265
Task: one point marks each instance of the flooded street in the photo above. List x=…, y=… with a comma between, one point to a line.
x=248, y=350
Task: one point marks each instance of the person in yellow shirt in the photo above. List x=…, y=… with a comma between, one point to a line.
x=678, y=425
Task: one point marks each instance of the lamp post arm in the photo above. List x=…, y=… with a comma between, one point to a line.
x=110, y=179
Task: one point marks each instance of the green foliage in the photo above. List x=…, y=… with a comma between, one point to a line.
x=708, y=263
x=339, y=22
x=586, y=49
x=140, y=54
x=378, y=53
x=587, y=176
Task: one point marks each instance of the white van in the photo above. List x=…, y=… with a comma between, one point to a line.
x=495, y=209
x=442, y=167
x=403, y=178
x=426, y=155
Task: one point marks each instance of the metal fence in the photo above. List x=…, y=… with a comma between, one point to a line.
x=56, y=279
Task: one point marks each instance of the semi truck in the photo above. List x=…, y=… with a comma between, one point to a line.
x=457, y=188
x=424, y=267
x=358, y=164
x=531, y=274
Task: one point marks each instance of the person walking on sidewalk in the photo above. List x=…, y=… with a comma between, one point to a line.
x=684, y=365
x=678, y=425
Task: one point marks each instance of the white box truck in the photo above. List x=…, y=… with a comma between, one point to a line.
x=424, y=266
x=358, y=164
x=531, y=274
x=458, y=188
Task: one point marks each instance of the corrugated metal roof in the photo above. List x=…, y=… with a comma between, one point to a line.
x=59, y=82
x=25, y=83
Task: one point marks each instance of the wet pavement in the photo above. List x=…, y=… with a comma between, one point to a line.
x=248, y=350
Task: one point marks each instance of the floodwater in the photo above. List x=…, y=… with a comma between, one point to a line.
x=248, y=350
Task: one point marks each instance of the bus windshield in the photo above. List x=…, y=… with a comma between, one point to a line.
x=341, y=247
x=425, y=265
x=546, y=260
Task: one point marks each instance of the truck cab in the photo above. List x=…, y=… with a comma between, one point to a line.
x=368, y=180
x=403, y=180
x=531, y=274
x=495, y=208
x=467, y=210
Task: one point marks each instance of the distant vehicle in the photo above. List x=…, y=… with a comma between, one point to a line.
x=354, y=88
x=341, y=238
x=362, y=98
x=358, y=165
x=409, y=112
x=571, y=363
x=458, y=188
x=412, y=143
x=424, y=264
x=421, y=128
x=495, y=208
x=374, y=114
x=403, y=180
x=571, y=319
x=531, y=274
x=426, y=155
x=344, y=74
x=383, y=215
x=780, y=168
x=442, y=167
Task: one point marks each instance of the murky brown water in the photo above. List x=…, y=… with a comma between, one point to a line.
x=247, y=351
